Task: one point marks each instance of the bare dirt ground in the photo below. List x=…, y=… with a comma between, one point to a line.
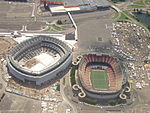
x=5, y=45
x=30, y=63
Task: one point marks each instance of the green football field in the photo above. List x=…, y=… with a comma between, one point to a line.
x=99, y=79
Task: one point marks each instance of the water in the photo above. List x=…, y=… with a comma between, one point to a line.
x=144, y=18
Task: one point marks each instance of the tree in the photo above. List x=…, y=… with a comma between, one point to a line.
x=148, y=27
x=59, y=22
x=141, y=10
x=147, y=13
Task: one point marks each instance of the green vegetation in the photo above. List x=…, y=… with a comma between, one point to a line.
x=90, y=100
x=122, y=17
x=140, y=11
x=136, y=6
x=146, y=0
x=58, y=87
x=115, y=1
x=125, y=16
x=64, y=81
x=143, y=18
x=139, y=3
x=128, y=15
x=148, y=29
x=114, y=16
x=59, y=22
x=2, y=97
x=116, y=102
x=99, y=79
x=22, y=23
x=57, y=28
x=72, y=75
x=48, y=29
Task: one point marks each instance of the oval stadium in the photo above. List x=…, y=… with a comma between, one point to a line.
x=39, y=60
x=100, y=76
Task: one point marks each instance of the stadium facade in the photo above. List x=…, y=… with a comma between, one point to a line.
x=39, y=60
x=60, y=6
x=100, y=76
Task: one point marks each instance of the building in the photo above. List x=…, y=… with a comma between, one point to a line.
x=39, y=60
x=100, y=77
x=60, y=6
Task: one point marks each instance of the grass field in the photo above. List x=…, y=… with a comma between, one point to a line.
x=99, y=79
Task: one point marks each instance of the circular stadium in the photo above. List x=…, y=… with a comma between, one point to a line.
x=39, y=60
x=100, y=76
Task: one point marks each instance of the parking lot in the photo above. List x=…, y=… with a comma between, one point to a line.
x=131, y=42
x=93, y=35
x=15, y=104
x=15, y=9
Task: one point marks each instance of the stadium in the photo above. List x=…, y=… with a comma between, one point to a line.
x=100, y=76
x=39, y=60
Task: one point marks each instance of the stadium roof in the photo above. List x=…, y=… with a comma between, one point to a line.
x=91, y=3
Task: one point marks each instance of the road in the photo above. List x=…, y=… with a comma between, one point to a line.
x=66, y=90
x=62, y=91
x=4, y=84
x=124, y=5
x=77, y=17
x=79, y=107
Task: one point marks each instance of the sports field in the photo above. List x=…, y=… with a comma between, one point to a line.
x=99, y=79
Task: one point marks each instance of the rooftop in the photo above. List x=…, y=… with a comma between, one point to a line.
x=74, y=3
